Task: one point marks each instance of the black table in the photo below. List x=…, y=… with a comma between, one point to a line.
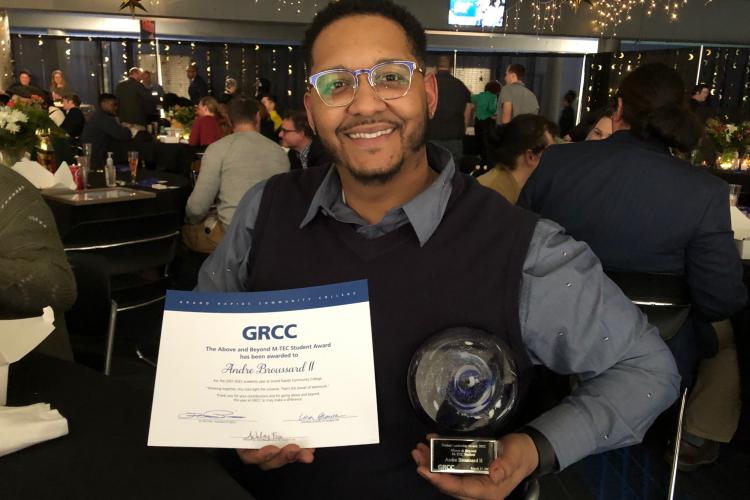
x=105, y=454
x=107, y=222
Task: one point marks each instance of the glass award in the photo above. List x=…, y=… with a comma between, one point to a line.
x=464, y=383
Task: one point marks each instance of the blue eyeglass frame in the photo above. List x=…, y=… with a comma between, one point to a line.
x=365, y=71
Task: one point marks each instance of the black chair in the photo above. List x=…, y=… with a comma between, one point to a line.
x=91, y=320
x=663, y=298
x=135, y=254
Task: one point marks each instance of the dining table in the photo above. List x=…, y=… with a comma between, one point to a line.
x=105, y=454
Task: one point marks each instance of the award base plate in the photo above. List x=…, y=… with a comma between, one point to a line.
x=462, y=455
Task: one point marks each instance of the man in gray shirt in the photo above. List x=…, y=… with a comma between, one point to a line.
x=515, y=99
x=387, y=195
x=230, y=167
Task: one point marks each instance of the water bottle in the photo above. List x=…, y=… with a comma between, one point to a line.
x=110, y=174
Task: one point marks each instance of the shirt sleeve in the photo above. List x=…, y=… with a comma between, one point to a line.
x=575, y=321
x=206, y=186
x=34, y=271
x=226, y=270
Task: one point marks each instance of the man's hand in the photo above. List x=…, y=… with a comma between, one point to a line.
x=273, y=457
x=518, y=458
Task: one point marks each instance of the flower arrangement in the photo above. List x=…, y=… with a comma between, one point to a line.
x=184, y=116
x=728, y=136
x=19, y=123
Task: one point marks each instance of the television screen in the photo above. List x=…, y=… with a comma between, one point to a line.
x=482, y=13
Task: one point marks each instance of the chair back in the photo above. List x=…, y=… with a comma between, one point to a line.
x=663, y=298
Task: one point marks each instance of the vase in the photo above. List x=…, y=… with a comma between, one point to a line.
x=728, y=159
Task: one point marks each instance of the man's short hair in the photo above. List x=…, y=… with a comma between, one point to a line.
x=243, y=110
x=24, y=72
x=73, y=98
x=134, y=69
x=106, y=97
x=299, y=118
x=335, y=11
x=518, y=70
x=230, y=82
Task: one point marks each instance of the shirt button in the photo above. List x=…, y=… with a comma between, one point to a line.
x=605, y=339
x=569, y=284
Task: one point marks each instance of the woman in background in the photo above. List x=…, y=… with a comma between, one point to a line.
x=485, y=110
x=58, y=87
x=206, y=128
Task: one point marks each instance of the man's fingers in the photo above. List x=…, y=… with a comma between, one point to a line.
x=271, y=457
x=256, y=457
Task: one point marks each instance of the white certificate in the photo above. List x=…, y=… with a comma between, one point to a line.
x=245, y=370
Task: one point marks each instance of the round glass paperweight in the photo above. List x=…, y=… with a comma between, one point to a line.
x=463, y=380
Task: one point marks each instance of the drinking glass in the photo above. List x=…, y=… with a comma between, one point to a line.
x=133, y=164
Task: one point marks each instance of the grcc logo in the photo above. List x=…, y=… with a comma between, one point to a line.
x=262, y=332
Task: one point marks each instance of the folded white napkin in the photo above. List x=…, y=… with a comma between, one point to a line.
x=42, y=178
x=740, y=224
x=25, y=426
x=17, y=338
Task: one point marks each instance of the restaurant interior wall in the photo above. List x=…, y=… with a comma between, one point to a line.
x=720, y=21
x=725, y=69
x=93, y=65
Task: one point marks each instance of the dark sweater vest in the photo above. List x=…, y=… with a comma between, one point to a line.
x=414, y=292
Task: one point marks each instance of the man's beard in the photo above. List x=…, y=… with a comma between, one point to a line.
x=412, y=143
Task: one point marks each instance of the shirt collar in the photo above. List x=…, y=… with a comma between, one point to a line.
x=304, y=153
x=424, y=212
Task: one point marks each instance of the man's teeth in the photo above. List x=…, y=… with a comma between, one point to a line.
x=371, y=135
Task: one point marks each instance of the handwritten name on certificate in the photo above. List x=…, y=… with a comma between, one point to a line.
x=245, y=370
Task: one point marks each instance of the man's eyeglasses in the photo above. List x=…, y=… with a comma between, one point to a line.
x=287, y=130
x=389, y=80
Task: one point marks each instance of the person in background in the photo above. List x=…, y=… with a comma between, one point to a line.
x=595, y=126
x=206, y=129
x=134, y=101
x=515, y=99
x=266, y=126
x=23, y=88
x=229, y=168
x=699, y=102
x=643, y=210
x=4, y=99
x=59, y=87
x=269, y=102
x=516, y=150
x=105, y=133
x=601, y=130
x=305, y=149
x=34, y=272
x=156, y=96
x=567, y=115
x=74, y=119
x=485, y=114
x=198, y=87
x=447, y=127
x=230, y=88
x=392, y=209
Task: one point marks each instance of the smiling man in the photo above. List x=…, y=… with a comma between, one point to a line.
x=394, y=211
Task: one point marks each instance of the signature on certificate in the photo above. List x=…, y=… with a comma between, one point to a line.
x=320, y=417
x=210, y=415
x=268, y=436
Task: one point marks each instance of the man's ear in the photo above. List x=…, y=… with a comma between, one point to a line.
x=617, y=116
x=308, y=109
x=431, y=92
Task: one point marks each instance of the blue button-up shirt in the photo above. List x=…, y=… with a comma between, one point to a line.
x=573, y=319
